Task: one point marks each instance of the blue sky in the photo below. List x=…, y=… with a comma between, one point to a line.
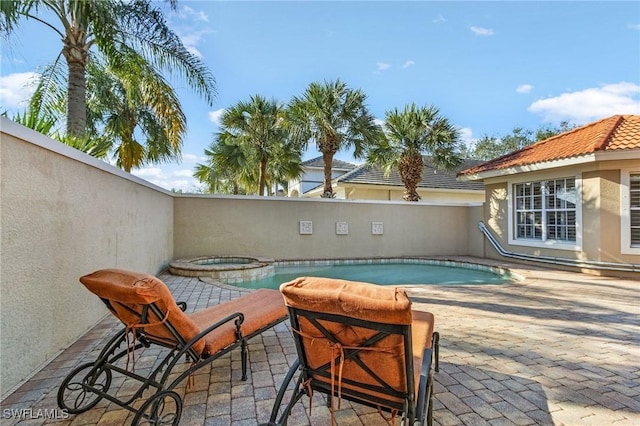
x=488, y=66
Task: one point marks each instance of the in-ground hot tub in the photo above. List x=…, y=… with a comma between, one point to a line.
x=227, y=269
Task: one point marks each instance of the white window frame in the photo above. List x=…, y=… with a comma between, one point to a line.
x=625, y=211
x=548, y=244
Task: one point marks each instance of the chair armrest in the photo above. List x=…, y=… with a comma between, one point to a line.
x=237, y=317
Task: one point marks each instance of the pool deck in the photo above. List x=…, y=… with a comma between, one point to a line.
x=559, y=348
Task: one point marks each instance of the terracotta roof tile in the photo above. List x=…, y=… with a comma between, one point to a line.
x=613, y=133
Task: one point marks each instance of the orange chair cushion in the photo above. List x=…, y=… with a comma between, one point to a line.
x=367, y=302
x=129, y=291
x=260, y=308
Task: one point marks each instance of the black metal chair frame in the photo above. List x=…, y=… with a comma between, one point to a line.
x=415, y=409
x=87, y=384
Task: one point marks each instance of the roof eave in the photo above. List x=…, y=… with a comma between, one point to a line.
x=613, y=155
x=525, y=168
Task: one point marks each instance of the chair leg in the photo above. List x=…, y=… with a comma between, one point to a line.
x=298, y=392
x=244, y=354
x=436, y=349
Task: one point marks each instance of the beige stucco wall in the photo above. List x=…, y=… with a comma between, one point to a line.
x=600, y=222
x=475, y=239
x=208, y=225
x=63, y=215
x=604, y=211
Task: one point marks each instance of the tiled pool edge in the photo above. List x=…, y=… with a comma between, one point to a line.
x=447, y=262
x=409, y=260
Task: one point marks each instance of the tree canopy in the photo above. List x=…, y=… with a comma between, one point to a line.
x=120, y=30
x=490, y=147
x=333, y=117
x=409, y=134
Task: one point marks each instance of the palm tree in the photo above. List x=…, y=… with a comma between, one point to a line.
x=410, y=134
x=132, y=107
x=258, y=125
x=228, y=169
x=137, y=109
x=45, y=119
x=334, y=117
x=285, y=164
x=114, y=27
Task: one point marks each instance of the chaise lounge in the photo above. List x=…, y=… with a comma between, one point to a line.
x=360, y=342
x=144, y=304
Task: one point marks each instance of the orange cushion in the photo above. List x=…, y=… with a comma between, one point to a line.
x=260, y=308
x=129, y=291
x=369, y=302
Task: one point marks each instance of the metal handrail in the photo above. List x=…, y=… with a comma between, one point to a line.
x=590, y=264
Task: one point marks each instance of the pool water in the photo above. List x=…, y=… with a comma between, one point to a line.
x=384, y=274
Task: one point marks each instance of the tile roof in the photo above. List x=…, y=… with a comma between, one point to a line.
x=432, y=177
x=618, y=132
x=335, y=164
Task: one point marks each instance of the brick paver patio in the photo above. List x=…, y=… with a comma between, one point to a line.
x=557, y=349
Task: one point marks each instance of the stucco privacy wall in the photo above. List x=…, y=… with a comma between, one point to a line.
x=207, y=225
x=65, y=214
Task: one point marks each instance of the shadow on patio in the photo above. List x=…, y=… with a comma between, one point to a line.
x=559, y=349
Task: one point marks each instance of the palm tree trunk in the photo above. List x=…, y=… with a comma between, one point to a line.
x=77, y=105
x=76, y=53
x=410, y=169
x=327, y=158
x=263, y=173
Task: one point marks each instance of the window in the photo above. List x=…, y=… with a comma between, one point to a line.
x=630, y=211
x=634, y=209
x=546, y=210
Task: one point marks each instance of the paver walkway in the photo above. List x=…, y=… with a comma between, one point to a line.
x=557, y=349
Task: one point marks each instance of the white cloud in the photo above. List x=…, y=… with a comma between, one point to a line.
x=382, y=66
x=169, y=179
x=439, y=20
x=16, y=89
x=590, y=104
x=214, y=116
x=466, y=136
x=191, y=26
x=482, y=31
x=524, y=88
x=379, y=122
x=634, y=26
x=183, y=173
x=192, y=39
x=187, y=12
x=408, y=64
x=192, y=159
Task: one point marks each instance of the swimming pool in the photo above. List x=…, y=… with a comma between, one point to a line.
x=390, y=272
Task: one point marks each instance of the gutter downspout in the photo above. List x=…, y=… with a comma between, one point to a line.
x=589, y=264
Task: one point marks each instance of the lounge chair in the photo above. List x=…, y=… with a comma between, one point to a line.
x=151, y=316
x=359, y=342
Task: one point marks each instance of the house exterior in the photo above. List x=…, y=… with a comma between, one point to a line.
x=573, y=196
x=313, y=176
x=366, y=182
